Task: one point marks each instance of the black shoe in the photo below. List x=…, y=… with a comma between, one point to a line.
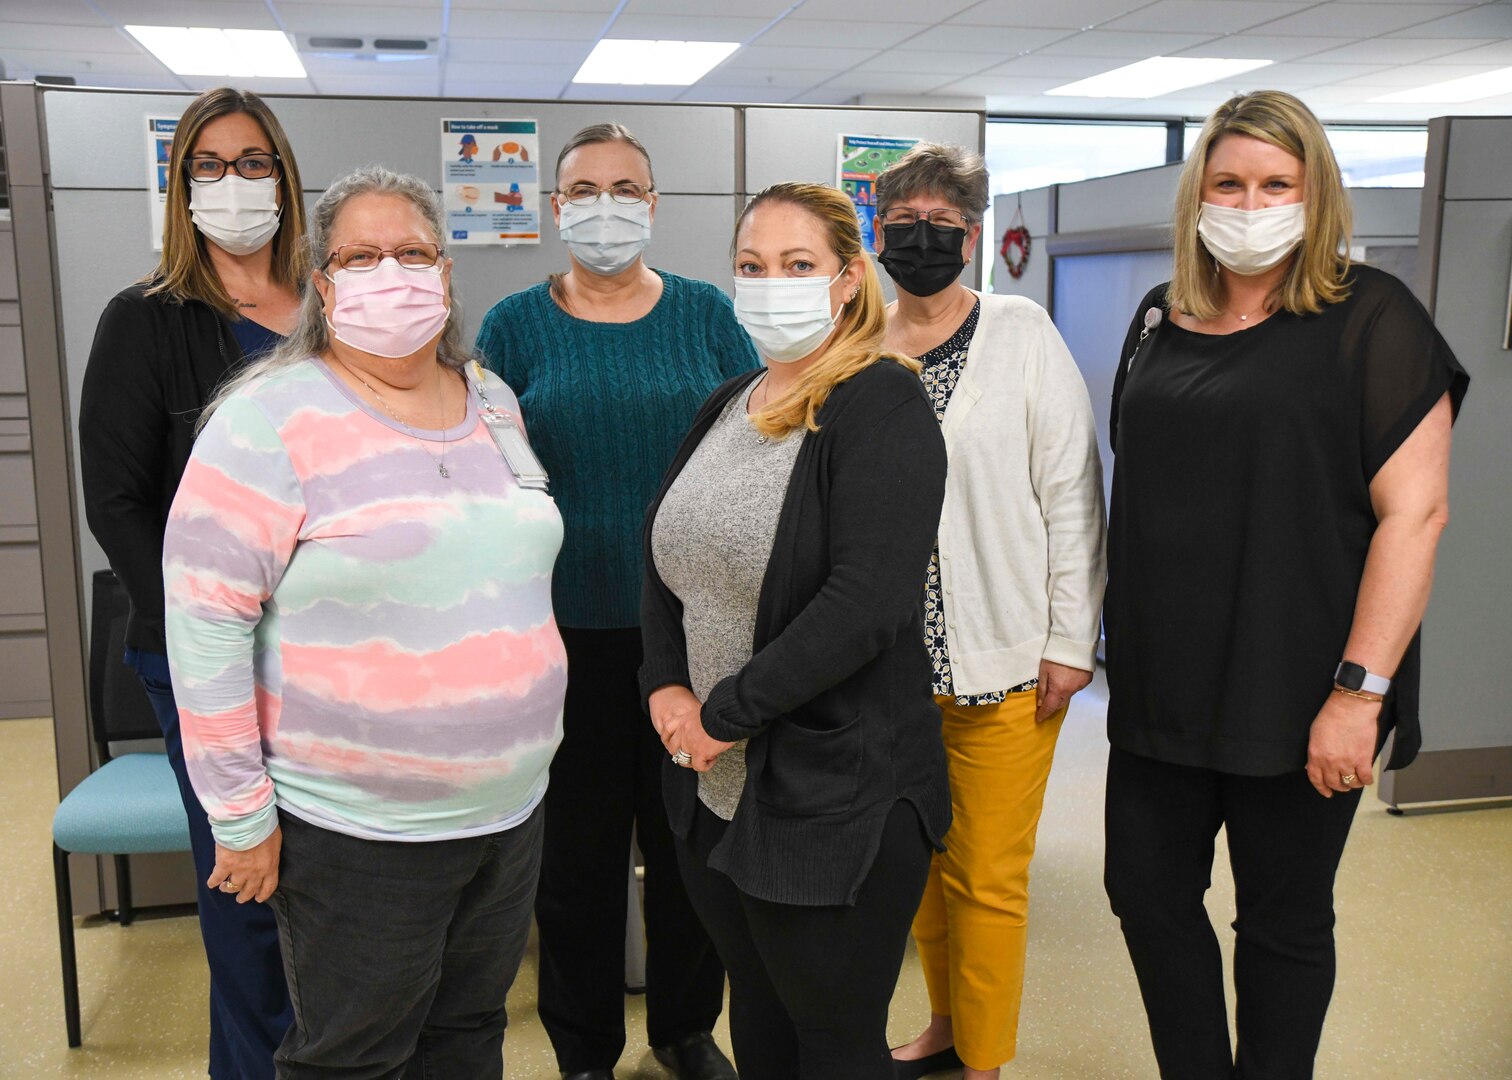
x=919, y=1067
x=696, y=1057
x=590, y=1074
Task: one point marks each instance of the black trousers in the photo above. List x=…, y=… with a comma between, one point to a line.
x=810, y=986
x=607, y=776
x=1285, y=841
x=400, y=955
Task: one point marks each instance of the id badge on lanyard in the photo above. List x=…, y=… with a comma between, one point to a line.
x=510, y=439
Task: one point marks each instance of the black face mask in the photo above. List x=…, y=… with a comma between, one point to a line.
x=922, y=258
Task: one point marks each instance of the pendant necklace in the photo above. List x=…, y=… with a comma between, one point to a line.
x=760, y=439
x=441, y=463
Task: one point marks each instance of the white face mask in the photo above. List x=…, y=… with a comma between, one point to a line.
x=787, y=318
x=236, y=214
x=606, y=236
x=1251, y=241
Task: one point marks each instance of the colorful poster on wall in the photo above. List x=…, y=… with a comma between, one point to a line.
x=160, y=131
x=490, y=181
x=862, y=159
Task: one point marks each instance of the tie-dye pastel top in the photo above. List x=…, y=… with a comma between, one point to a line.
x=353, y=637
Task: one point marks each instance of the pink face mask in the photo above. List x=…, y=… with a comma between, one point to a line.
x=389, y=311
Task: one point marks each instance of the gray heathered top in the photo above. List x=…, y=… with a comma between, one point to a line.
x=711, y=541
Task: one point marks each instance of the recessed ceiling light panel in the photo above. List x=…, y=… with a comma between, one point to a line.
x=1157, y=75
x=206, y=50
x=635, y=62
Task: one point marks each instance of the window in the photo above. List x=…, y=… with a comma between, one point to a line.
x=1370, y=156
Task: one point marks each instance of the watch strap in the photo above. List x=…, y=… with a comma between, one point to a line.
x=1354, y=676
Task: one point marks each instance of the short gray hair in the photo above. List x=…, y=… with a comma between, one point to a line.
x=311, y=336
x=957, y=175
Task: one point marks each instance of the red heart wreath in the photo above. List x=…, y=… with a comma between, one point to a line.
x=1017, y=236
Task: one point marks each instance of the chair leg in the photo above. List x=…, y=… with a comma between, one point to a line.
x=66, y=944
x=124, y=910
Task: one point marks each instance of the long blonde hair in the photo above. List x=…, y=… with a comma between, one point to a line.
x=1318, y=271
x=185, y=272
x=857, y=341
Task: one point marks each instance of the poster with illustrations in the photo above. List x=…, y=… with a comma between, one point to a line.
x=490, y=181
x=862, y=159
x=160, y=131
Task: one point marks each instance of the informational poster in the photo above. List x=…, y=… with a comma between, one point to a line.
x=490, y=181
x=862, y=159
x=160, y=131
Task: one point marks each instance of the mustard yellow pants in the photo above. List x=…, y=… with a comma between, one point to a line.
x=972, y=925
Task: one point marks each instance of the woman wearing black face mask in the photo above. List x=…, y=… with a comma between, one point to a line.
x=1012, y=599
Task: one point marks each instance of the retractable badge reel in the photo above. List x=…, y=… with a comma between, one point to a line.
x=513, y=446
x=1151, y=321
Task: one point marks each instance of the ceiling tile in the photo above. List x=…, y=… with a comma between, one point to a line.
x=59, y=62
x=999, y=85
x=818, y=62
x=918, y=61
x=686, y=28
x=880, y=10
x=1065, y=14
x=1204, y=16
x=503, y=54
x=75, y=39
x=1355, y=20
x=1009, y=40
x=1265, y=47
x=1122, y=46
x=1064, y=69
x=768, y=9
x=1396, y=50
x=861, y=82
x=50, y=11
x=1489, y=20
x=779, y=78
x=1414, y=75
x=237, y=14
x=1499, y=54
x=863, y=34
x=529, y=25
x=355, y=22
x=1302, y=76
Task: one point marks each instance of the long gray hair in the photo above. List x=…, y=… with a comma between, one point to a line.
x=312, y=336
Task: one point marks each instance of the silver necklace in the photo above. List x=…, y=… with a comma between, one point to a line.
x=761, y=439
x=441, y=463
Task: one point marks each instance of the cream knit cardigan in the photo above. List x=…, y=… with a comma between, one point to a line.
x=1023, y=535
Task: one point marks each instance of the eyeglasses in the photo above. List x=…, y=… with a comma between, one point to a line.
x=362, y=257
x=627, y=193
x=944, y=217
x=207, y=168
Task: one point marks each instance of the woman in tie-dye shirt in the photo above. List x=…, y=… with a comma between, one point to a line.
x=369, y=677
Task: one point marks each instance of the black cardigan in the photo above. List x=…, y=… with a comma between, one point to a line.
x=153, y=366
x=837, y=698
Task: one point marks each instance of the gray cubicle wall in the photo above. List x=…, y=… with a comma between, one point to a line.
x=1466, y=282
x=707, y=158
x=23, y=636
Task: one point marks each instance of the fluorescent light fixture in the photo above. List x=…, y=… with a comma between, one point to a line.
x=205, y=50
x=637, y=62
x=1469, y=88
x=1157, y=75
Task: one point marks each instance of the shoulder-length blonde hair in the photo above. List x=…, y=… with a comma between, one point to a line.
x=857, y=341
x=1317, y=274
x=185, y=272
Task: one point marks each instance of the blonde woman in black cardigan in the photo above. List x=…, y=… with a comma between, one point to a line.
x=784, y=660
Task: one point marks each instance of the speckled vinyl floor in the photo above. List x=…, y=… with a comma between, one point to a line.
x=1424, y=990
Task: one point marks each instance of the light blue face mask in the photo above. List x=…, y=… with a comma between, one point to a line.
x=787, y=317
x=604, y=236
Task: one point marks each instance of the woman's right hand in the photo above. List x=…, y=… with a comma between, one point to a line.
x=675, y=713
x=251, y=874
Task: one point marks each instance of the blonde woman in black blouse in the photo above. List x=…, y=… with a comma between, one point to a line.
x=1282, y=427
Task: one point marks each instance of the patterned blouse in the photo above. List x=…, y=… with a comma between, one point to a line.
x=942, y=370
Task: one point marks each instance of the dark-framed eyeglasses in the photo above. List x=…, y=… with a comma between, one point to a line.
x=944, y=217
x=363, y=257
x=626, y=193
x=207, y=168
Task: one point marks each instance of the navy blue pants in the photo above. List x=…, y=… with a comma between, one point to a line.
x=249, y=998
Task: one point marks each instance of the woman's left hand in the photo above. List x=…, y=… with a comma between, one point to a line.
x=1342, y=744
x=681, y=729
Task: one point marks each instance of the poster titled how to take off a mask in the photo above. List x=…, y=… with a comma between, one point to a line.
x=490, y=181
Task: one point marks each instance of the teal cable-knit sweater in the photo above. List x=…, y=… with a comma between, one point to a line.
x=606, y=406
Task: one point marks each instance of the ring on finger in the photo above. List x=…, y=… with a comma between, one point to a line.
x=1348, y=779
x=229, y=887
x=683, y=758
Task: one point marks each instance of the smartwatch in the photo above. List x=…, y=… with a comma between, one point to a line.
x=1355, y=677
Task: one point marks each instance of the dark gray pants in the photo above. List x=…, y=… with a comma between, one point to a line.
x=399, y=955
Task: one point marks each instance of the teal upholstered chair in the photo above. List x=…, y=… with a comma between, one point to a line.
x=130, y=805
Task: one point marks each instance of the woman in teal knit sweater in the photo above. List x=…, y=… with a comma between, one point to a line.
x=610, y=362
